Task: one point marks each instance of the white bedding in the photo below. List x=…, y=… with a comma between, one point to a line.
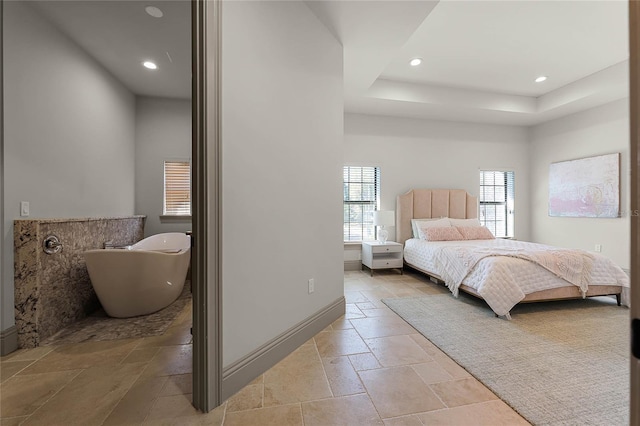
x=504, y=281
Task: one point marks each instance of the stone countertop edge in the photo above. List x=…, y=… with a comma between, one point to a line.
x=80, y=219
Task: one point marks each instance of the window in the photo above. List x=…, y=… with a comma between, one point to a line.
x=177, y=188
x=496, y=202
x=361, y=194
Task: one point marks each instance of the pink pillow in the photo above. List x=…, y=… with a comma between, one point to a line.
x=476, y=233
x=442, y=233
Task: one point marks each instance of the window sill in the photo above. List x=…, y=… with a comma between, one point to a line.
x=175, y=218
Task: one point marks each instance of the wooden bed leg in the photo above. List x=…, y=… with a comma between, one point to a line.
x=618, y=298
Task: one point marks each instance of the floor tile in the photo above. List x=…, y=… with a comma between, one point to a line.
x=399, y=391
x=426, y=345
x=451, y=367
x=341, y=324
x=406, y=378
x=355, y=297
x=491, y=413
x=462, y=392
x=88, y=398
x=432, y=372
x=172, y=336
x=179, y=384
x=344, y=411
x=13, y=421
x=134, y=407
x=283, y=415
x=411, y=420
x=172, y=407
x=141, y=355
x=82, y=355
x=376, y=295
x=366, y=305
x=340, y=342
x=32, y=354
x=397, y=350
x=248, y=398
x=379, y=312
x=193, y=418
x=22, y=395
x=352, y=311
x=343, y=379
x=298, y=377
x=366, y=361
x=8, y=369
x=170, y=361
x=381, y=327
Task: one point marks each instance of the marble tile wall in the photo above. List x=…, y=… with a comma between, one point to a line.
x=54, y=290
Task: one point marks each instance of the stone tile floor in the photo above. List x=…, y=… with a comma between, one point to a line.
x=367, y=368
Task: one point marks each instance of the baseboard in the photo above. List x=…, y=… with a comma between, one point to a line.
x=8, y=340
x=352, y=265
x=246, y=369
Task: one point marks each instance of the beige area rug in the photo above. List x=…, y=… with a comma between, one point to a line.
x=99, y=326
x=555, y=363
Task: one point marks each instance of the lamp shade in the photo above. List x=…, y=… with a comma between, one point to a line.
x=384, y=218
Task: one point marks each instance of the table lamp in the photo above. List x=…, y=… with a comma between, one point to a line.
x=383, y=218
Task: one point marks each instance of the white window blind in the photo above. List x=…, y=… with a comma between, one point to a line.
x=177, y=188
x=497, y=194
x=361, y=196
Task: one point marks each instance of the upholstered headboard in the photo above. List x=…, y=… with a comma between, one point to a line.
x=432, y=203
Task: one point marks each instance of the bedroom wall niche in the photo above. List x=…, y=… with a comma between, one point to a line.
x=594, y=132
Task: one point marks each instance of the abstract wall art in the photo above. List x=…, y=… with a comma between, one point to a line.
x=587, y=187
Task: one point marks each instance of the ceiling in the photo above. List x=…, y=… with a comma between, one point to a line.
x=120, y=35
x=480, y=58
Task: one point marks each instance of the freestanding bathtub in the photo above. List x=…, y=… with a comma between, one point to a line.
x=142, y=278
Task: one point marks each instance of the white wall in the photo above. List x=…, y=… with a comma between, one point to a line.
x=438, y=154
x=163, y=132
x=282, y=120
x=68, y=133
x=597, y=131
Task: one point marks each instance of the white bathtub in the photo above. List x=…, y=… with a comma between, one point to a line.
x=142, y=278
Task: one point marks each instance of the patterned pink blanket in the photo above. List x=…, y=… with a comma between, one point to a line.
x=573, y=266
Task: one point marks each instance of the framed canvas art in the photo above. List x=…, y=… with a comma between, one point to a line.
x=587, y=187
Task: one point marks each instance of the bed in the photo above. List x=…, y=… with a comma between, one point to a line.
x=503, y=272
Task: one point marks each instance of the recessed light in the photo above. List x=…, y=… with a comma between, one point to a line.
x=154, y=11
x=150, y=65
x=415, y=62
x=541, y=79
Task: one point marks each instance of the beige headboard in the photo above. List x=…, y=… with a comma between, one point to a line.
x=432, y=203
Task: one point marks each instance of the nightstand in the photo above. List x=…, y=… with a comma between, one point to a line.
x=376, y=255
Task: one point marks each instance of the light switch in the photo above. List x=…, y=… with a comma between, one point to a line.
x=24, y=208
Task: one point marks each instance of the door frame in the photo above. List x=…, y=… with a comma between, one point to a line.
x=206, y=205
x=634, y=153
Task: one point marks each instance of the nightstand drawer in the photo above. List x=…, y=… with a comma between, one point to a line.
x=391, y=248
x=386, y=263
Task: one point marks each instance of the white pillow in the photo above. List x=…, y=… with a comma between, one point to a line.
x=416, y=224
x=465, y=223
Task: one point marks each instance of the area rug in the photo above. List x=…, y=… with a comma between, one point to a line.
x=555, y=363
x=99, y=326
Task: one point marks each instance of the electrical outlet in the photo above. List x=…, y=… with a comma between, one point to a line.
x=311, y=286
x=24, y=208
x=598, y=248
